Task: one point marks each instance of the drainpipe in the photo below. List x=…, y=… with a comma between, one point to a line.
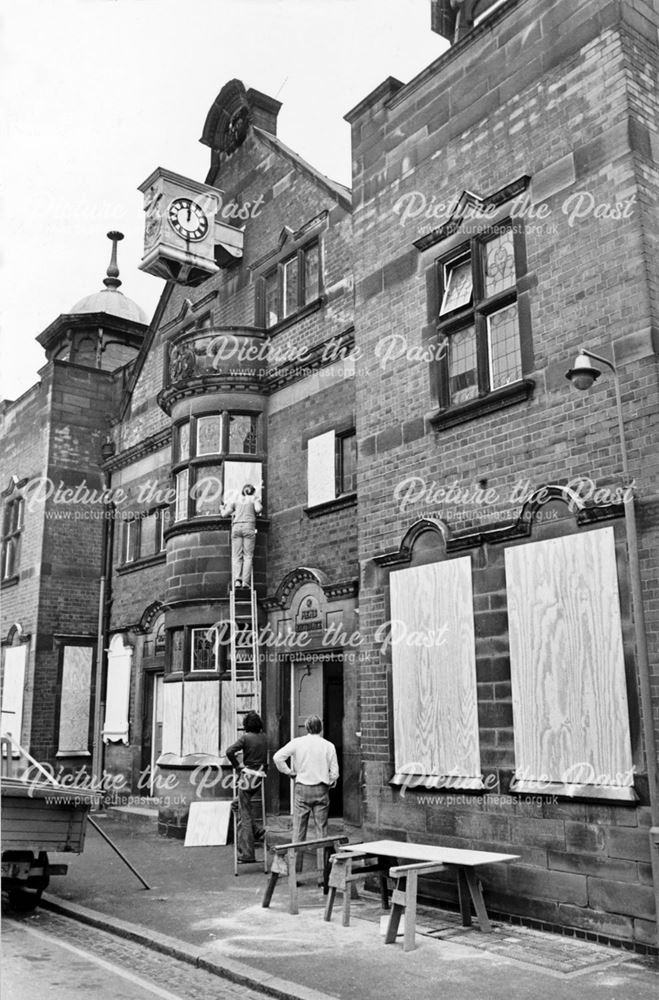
x=105, y=584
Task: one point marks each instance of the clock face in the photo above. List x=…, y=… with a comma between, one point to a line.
x=187, y=219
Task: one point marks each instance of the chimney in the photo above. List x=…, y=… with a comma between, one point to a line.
x=264, y=110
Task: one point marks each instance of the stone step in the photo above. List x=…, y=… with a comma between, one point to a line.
x=137, y=817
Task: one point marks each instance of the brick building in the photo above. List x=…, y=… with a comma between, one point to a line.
x=51, y=457
x=460, y=606
x=505, y=215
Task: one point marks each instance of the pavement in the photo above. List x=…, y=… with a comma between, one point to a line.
x=198, y=911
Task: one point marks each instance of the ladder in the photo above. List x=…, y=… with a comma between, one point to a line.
x=245, y=680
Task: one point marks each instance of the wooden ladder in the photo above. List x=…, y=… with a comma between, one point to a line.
x=245, y=680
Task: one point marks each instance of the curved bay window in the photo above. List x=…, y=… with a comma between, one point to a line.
x=210, y=461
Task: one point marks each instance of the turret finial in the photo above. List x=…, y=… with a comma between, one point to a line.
x=112, y=280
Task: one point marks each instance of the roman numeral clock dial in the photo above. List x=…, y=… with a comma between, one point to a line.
x=188, y=219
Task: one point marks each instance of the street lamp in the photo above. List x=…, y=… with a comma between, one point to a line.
x=583, y=375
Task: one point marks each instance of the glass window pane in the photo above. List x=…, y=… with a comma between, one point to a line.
x=148, y=535
x=311, y=274
x=242, y=434
x=503, y=347
x=9, y=561
x=203, y=649
x=159, y=645
x=348, y=463
x=463, y=375
x=209, y=440
x=163, y=516
x=207, y=490
x=177, y=646
x=130, y=539
x=271, y=297
x=182, y=480
x=458, y=286
x=184, y=442
x=290, y=286
x=499, y=263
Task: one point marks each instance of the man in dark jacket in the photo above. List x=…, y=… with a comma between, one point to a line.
x=252, y=745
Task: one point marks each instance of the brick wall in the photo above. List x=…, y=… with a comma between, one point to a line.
x=24, y=436
x=563, y=94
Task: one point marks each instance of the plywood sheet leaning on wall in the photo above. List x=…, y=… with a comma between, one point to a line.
x=568, y=673
x=208, y=823
x=434, y=673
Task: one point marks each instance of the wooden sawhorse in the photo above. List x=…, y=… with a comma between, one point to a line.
x=404, y=900
x=343, y=877
x=284, y=862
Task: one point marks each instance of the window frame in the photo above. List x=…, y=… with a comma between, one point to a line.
x=194, y=463
x=188, y=669
x=340, y=441
x=13, y=522
x=130, y=542
x=477, y=313
x=341, y=498
x=279, y=272
x=132, y=537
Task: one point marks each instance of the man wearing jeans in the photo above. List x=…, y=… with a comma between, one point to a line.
x=252, y=745
x=311, y=760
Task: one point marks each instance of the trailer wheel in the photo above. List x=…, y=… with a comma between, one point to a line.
x=23, y=900
x=24, y=893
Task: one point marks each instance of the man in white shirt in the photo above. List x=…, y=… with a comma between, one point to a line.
x=312, y=762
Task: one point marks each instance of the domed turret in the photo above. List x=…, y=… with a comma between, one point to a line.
x=102, y=330
x=109, y=299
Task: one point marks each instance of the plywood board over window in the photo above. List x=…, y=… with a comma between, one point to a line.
x=75, y=702
x=321, y=468
x=13, y=689
x=434, y=675
x=568, y=674
x=172, y=718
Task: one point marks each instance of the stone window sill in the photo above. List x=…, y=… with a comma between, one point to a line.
x=500, y=399
x=339, y=503
x=138, y=564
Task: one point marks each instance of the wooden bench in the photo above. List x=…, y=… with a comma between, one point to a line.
x=420, y=856
x=284, y=862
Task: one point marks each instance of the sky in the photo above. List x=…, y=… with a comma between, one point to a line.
x=97, y=93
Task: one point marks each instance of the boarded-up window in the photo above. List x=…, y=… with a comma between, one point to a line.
x=434, y=674
x=239, y=474
x=201, y=718
x=321, y=468
x=568, y=677
x=172, y=718
x=75, y=702
x=13, y=687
